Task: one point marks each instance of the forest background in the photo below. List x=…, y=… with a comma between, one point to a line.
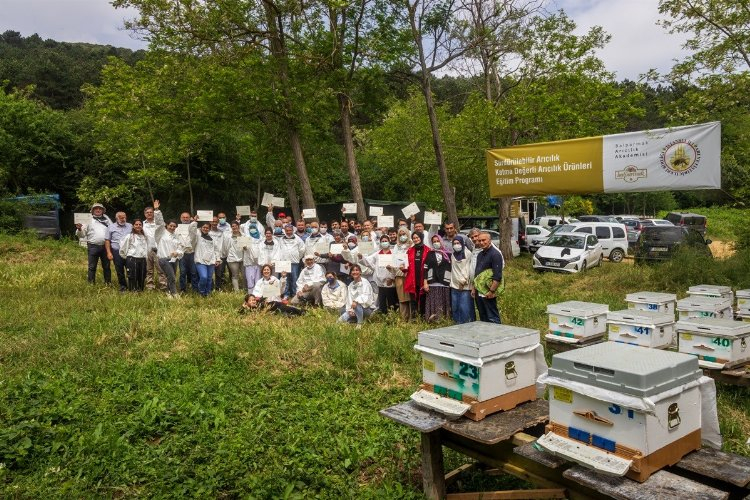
x=332, y=101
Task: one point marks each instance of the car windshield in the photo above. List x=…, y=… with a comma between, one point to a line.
x=565, y=228
x=662, y=234
x=567, y=241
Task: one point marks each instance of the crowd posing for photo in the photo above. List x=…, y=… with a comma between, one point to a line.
x=351, y=267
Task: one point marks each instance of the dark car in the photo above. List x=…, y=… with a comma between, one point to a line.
x=658, y=243
x=688, y=220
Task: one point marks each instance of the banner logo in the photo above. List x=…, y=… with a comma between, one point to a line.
x=631, y=173
x=680, y=157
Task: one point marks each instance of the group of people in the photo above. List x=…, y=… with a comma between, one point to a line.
x=351, y=267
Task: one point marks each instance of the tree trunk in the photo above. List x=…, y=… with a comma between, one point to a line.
x=299, y=162
x=292, y=194
x=351, y=161
x=190, y=183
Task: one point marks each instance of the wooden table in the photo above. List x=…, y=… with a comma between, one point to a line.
x=505, y=441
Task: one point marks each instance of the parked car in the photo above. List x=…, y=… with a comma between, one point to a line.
x=550, y=221
x=659, y=243
x=535, y=237
x=495, y=237
x=597, y=218
x=633, y=228
x=656, y=222
x=689, y=220
x=568, y=252
x=612, y=237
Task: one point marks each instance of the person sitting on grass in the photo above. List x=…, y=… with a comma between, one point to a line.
x=253, y=303
x=333, y=293
x=360, y=299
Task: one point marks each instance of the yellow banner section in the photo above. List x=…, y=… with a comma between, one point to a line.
x=562, y=167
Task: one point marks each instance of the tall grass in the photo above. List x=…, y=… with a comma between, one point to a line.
x=110, y=394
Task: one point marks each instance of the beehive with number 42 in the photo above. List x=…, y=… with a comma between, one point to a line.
x=627, y=411
x=478, y=368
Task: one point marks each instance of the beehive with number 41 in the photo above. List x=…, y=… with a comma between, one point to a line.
x=623, y=409
x=478, y=368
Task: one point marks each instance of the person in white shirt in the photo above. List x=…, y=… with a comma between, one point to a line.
x=268, y=249
x=187, y=262
x=252, y=225
x=315, y=240
x=219, y=235
x=384, y=273
x=462, y=275
x=360, y=299
x=168, y=249
x=153, y=272
x=268, y=282
x=401, y=259
x=251, y=255
x=134, y=248
x=207, y=257
x=309, y=283
x=291, y=248
x=334, y=293
x=222, y=224
x=235, y=255
x=95, y=233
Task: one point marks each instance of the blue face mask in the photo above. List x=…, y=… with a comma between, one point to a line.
x=254, y=232
x=308, y=230
x=278, y=231
x=331, y=281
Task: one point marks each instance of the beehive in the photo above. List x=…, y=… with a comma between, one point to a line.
x=717, y=343
x=652, y=301
x=743, y=302
x=576, y=321
x=725, y=292
x=622, y=409
x=643, y=328
x=704, y=307
x=489, y=366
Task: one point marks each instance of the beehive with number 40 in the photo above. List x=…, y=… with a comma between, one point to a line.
x=478, y=368
x=623, y=409
x=717, y=343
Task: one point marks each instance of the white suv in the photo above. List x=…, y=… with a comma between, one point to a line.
x=612, y=236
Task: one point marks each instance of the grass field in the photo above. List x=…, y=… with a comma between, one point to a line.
x=118, y=395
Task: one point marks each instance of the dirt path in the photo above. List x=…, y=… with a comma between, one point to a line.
x=722, y=249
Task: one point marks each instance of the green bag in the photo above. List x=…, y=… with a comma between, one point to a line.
x=483, y=282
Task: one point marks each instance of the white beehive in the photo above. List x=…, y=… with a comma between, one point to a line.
x=743, y=302
x=724, y=292
x=644, y=328
x=704, y=307
x=576, y=321
x=716, y=342
x=614, y=407
x=651, y=301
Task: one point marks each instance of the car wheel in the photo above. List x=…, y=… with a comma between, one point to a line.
x=583, y=266
x=617, y=255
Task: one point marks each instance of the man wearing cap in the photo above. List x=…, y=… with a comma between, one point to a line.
x=310, y=282
x=115, y=233
x=94, y=234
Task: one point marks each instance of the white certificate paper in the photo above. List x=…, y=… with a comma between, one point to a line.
x=309, y=213
x=385, y=221
x=244, y=242
x=182, y=230
x=375, y=211
x=267, y=199
x=433, y=218
x=350, y=208
x=366, y=247
x=205, y=215
x=271, y=290
x=385, y=259
x=277, y=202
x=82, y=218
x=283, y=266
x=409, y=210
x=321, y=247
x=243, y=210
x=336, y=249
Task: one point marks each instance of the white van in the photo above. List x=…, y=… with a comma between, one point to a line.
x=612, y=236
x=550, y=221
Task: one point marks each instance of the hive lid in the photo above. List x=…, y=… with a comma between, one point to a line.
x=578, y=308
x=717, y=289
x=650, y=297
x=633, y=316
x=627, y=369
x=714, y=327
x=699, y=303
x=584, y=454
x=744, y=294
x=479, y=339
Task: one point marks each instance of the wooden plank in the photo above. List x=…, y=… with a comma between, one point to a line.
x=433, y=475
x=557, y=347
x=531, y=452
x=414, y=416
x=728, y=377
x=733, y=469
x=521, y=438
x=508, y=495
x=453, y=475
x=662, y=485
x=503, y=425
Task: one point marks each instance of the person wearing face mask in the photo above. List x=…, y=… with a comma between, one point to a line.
x=267, y=249
x=187, y=262
x=384, y=274
x=355, y=255
x=95, y=233
x=316, y=242
x=235, y=252
x=222, y=224
x=359, y=300
x=168, y=251
x=115, y=233
x=219, y=235
x=336, y=263
x=401, y=263
x=334, y=293
x=414, y=271
x=207, y=257
x=133, y=248
x=309, y=283
x=252, y=223
x=436, y=281
x=462, y=275
x=251, y=255
x=291, y=248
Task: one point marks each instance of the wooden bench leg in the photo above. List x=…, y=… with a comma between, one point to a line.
x=433, y=474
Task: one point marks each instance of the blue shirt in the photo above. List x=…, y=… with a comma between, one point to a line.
x=490, y=258
x=116, y=232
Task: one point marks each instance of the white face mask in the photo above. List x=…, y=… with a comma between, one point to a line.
x=385, y=244
x=323, y=230
x=253, y=219
x=403, y=238
x=315, y=230
x=437, y=246
x=365, y=238
x=351, y=244
x=457, y=248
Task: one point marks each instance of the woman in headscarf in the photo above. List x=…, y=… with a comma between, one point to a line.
x=414, y=272
x=462, y=274
x=207, y=257
x=401, y=260
x=436, y=281
x=134, y=248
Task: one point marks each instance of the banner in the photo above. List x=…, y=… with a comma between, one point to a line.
x=669, y=159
